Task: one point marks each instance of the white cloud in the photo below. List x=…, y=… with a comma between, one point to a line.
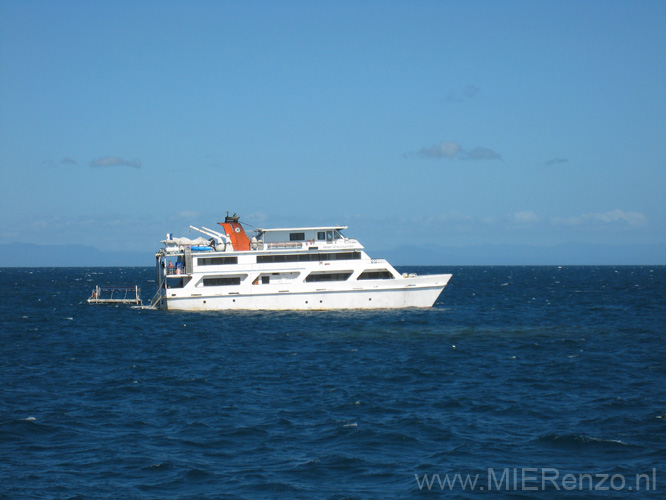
x=618, y=216
x=481, y=153
x=465, y=94
x=525, y=217
x=615, y=217
x=115, y=161
x=101, y=231
x=445, y=149
x=451, y=149
x=489, y=219
x=189, y=214
x=64, y=161
x=555, y=161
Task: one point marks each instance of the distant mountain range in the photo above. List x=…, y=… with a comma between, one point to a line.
x=570, y=254
x=30, y=255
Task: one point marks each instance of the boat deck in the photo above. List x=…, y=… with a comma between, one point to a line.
x=115, y=295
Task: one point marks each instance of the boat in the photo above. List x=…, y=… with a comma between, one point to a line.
x=306, y=268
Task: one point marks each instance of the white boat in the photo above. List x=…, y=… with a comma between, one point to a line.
x=282, y=269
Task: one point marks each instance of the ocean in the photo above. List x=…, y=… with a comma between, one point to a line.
x=521, y=382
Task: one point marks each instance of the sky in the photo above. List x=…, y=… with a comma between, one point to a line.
x=438, y=123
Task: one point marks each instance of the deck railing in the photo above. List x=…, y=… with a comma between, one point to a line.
x=116, y=295
x=284, y=244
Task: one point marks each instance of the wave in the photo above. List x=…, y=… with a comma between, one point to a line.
x=307, y=405
x=581, y=440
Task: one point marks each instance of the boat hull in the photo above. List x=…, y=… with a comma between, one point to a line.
x=420, y=291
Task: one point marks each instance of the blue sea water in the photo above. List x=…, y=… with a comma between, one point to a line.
x=531, y=379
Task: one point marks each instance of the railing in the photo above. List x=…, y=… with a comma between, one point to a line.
x=284, y=244
x=172, y=271
x=115, y=295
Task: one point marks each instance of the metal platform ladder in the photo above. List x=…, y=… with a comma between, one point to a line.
x=116, y=295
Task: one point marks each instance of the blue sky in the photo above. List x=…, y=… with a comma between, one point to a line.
x=451, y=123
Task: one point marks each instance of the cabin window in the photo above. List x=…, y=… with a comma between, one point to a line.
x=233, y=280
x=307, y=257
x=375, y=275
x=265, y=280
x=316, y=277
x=268, y=259
x=216, y=261
x=177, y=282
x=340, y=256
x=296, y=236
x=321, y=235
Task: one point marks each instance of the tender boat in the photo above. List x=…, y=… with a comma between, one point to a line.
x=282, y=269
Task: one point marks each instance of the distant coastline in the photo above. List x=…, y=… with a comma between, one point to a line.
x=32, y=255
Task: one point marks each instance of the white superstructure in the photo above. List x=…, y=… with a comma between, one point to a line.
x=288, y=268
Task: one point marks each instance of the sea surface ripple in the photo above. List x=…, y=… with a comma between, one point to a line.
x=546, y=368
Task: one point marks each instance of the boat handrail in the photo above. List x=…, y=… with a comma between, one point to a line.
x=284, y=244
x=173, y=271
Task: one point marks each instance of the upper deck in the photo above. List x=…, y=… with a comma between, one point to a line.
x=234, y=239
x=302, y=237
